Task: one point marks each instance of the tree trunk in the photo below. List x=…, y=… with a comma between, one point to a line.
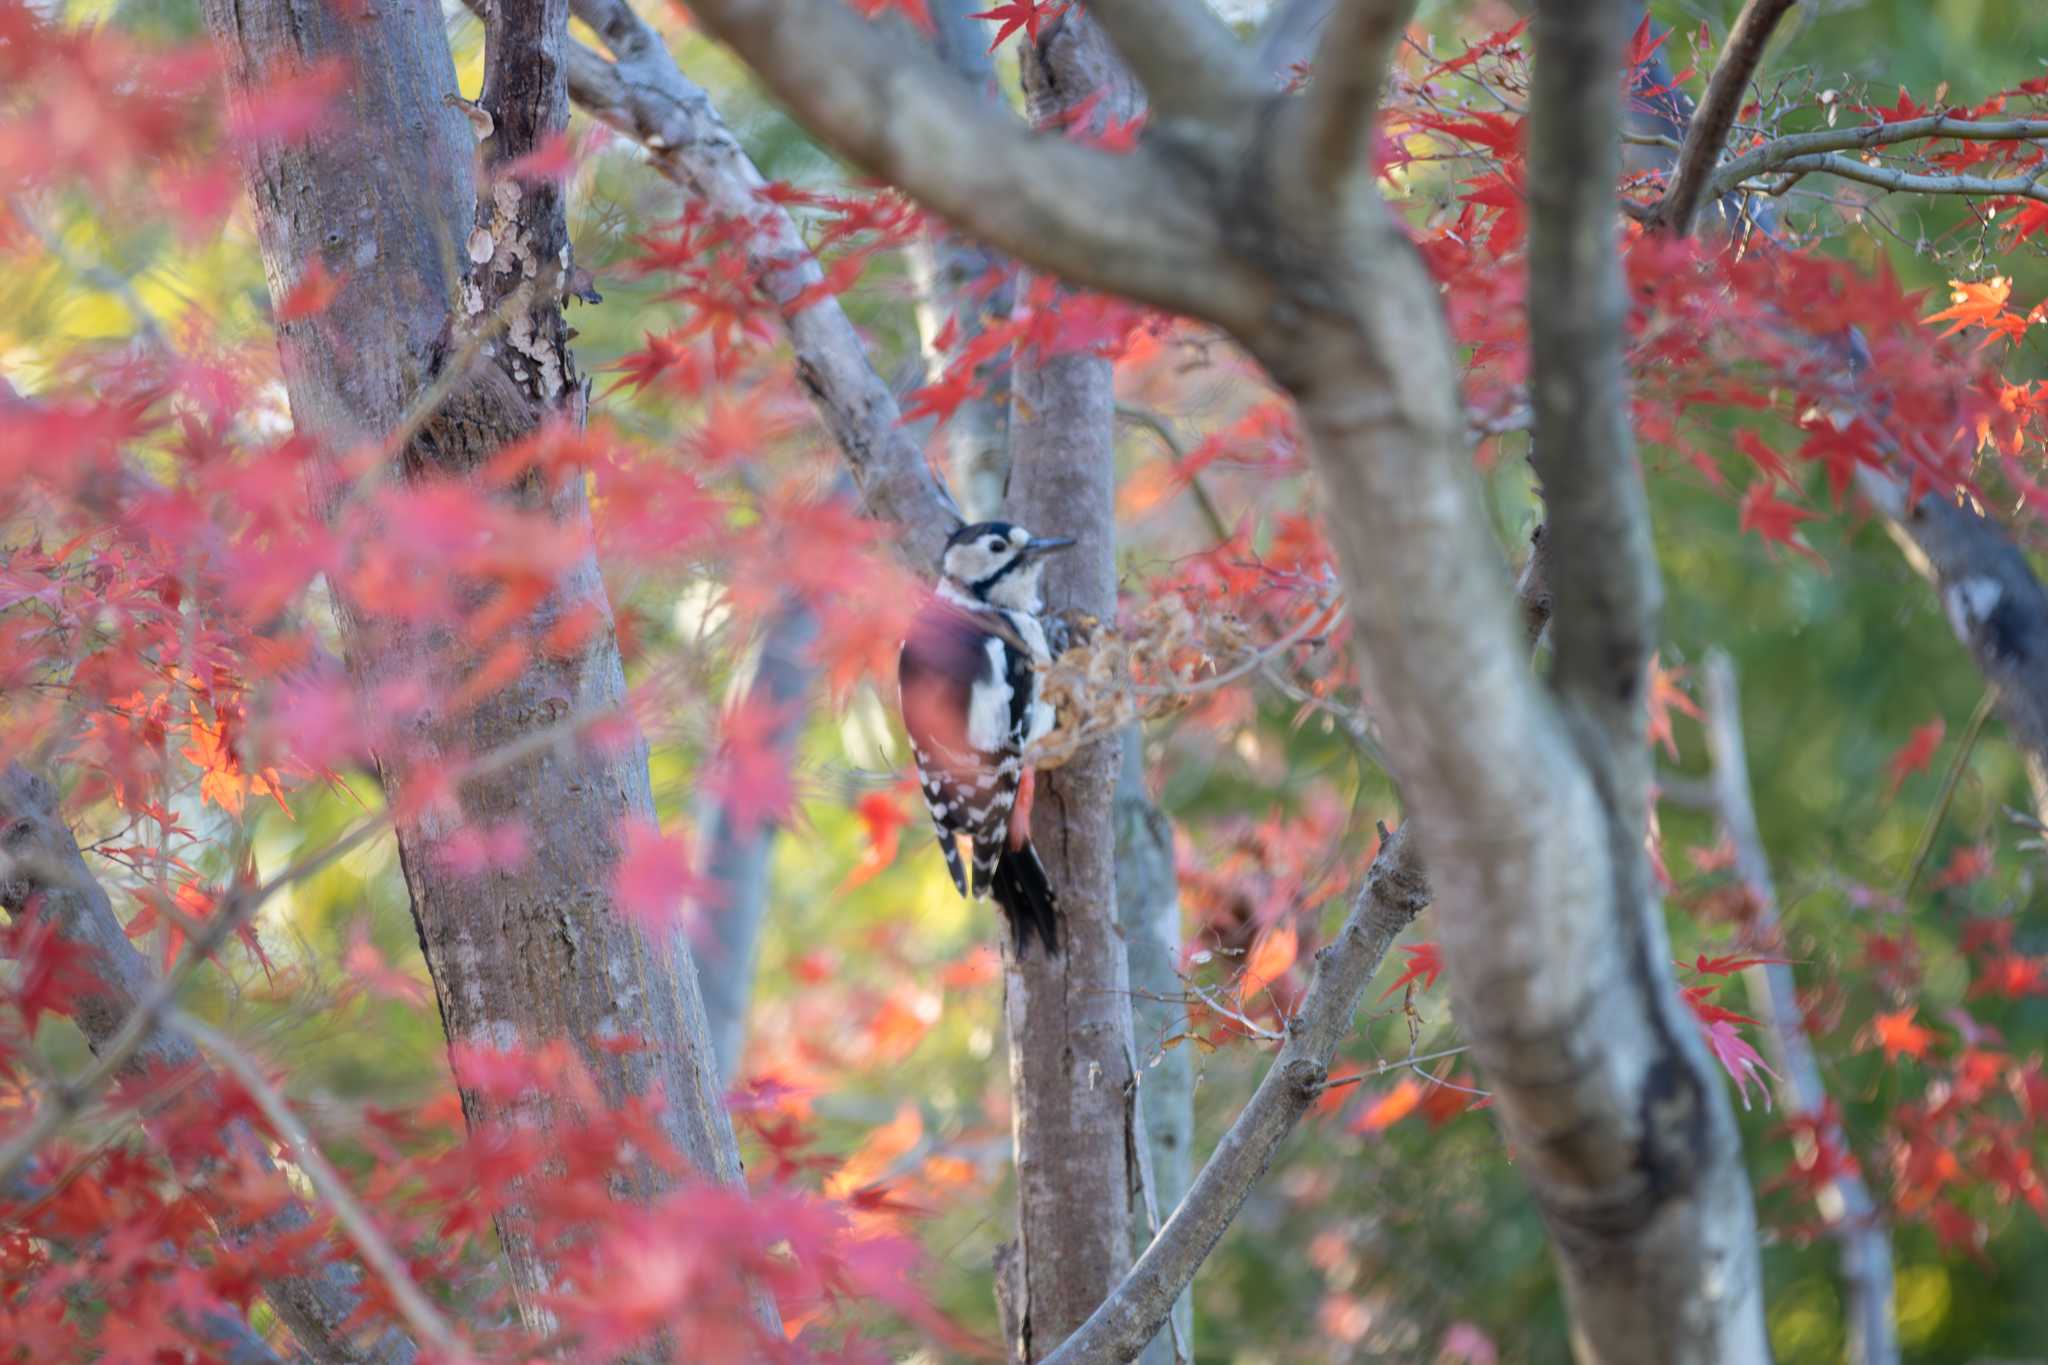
x=1069, y=1015
x=386, y=197
x=1148, y=913
x=733, y=858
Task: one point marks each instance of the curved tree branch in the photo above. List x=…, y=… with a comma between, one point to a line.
x=1187, y=59
x=1708, y=130
x=1352, y=62
x=646, y=97
x=1395, y=891
x=1775, y=154
x=1129, y=223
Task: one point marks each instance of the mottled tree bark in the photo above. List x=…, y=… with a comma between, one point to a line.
x=387, y=197
x=1071, y=1082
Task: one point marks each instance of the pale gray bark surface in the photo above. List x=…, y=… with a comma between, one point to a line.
x=1224, y=212
x=386, y=196
x=43, y=872
x=1855, y=1222
x=733, y=859
x=1148, y=912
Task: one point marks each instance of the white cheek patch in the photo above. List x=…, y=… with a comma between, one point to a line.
x=988, y=706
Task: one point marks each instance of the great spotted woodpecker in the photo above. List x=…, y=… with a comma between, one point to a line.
x=970, y=690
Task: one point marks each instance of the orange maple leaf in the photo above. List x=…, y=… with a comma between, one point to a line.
x=1899, y=1036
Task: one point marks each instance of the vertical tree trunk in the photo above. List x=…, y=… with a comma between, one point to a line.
x=385, y=196
x=1069, y=1016
x=1148, y=913
x=733, y=859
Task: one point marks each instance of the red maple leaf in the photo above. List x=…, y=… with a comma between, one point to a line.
x=914, y=10
x=555, y=159
x=1665, y=697
x=1741, y=1061
x=1899, y=1036
x=1968, y=864
x=752, y=773
x=1028, y=15
x=653, y=879
x=1776, y=520
x=1914, y=755
x=312, y=295
x=1424, y=965
x=50, y=971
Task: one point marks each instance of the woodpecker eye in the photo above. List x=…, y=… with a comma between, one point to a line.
x=995, y=544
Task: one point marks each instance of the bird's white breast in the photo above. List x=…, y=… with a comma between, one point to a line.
x=988, y=703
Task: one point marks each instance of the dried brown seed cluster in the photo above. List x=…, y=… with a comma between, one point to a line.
x=1149, y=666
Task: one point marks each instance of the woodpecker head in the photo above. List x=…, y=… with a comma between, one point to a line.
x=997, y=563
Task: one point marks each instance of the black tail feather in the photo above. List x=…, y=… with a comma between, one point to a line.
x=1025, y=894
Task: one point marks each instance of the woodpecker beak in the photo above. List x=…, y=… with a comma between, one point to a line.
x=1045, y=545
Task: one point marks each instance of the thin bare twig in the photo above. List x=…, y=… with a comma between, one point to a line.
x=1900, y=180
x=1949, y=783
x=66, y=1102
x=1778, y=152
x=377, y=1253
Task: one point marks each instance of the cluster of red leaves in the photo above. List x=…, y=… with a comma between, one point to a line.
x=1838, y=366
x=140, y=1230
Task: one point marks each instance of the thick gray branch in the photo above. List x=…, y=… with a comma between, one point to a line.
x=1603, y=563
x=644, y=96
x=1903, y=181
x=1187, y=59
x=1351, y=65
x=950, y=271
x=1148, y=912
x=1395, y=891
x=1775, y=154
x=732, y=858
x=1127, y=223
